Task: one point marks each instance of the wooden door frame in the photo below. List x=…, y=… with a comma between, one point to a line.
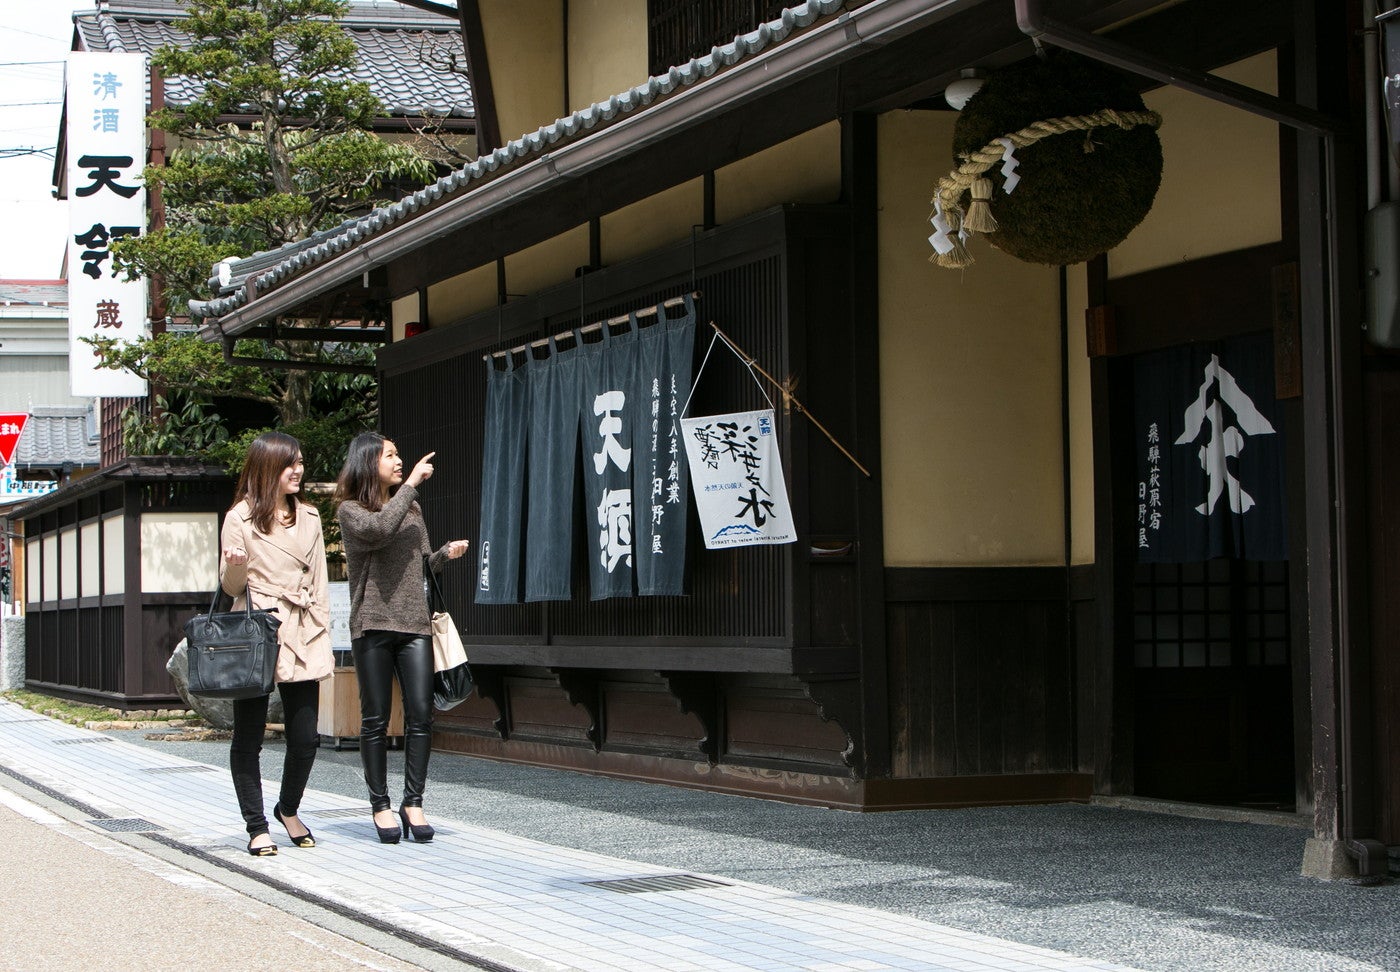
x=1199, y=300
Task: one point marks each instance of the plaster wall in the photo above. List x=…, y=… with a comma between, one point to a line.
x=32, y=576
x=401, y=311
x=114, y=555
x=50, y=590
x=1220, y=177
x=652, y=223
x=805, y=169
x=548, y=263
x=607, y=49
x=525, y=51
x=179, y=552
x=90, y=580
x=970, y=380
x=68, y=562
x=461, y=296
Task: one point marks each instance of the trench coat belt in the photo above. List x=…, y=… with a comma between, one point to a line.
x=293, y=631
x=299, y=603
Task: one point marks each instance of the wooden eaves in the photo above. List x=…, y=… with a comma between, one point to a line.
x=886, y=54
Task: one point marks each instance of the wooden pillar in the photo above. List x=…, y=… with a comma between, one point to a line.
x=1330, y=330
x=860, y=140
x=1112, y=754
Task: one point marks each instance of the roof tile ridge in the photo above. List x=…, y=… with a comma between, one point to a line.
x=108, y=25
x=698, y=68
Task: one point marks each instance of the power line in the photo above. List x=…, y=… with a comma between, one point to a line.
x=29, y=104
x=21, y=30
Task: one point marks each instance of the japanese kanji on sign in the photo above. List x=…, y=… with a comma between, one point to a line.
x=737, y=478
x=106, y=201
x=11, y=428
x=1210, y=453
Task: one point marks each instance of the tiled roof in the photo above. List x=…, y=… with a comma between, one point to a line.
x=391, y=37
x=56, y=434
x=45, y=292
x=295, y=258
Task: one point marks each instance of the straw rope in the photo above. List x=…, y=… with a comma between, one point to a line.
x=970, y=174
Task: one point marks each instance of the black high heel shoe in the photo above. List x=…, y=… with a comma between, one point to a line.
x=419, y=832
x=269, y=850
x=387, y=835
x=305, y=840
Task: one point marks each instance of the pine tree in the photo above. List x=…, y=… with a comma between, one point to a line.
x=276, y=146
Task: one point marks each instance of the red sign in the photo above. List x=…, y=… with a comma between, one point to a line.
x=11, y=425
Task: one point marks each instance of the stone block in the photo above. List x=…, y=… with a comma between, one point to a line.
x=1327, y=860
x=11, y=652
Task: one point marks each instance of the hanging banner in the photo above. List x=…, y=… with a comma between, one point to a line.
x=609, y=414
x=606, y=411
x=660, y=474
x=502, y=486
x=106, y=150
x=11, y=428
x=553, y=447
x=738, y=480
x=1210, y=453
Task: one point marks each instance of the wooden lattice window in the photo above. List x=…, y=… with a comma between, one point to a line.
x=678, y=30
x=1211, y=615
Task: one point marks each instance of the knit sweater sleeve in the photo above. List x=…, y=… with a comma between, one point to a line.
x=372, y=530
x=437, y=559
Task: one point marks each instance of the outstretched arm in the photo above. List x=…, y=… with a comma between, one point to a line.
x=374, y=529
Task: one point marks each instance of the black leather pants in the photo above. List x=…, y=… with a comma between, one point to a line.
x=379, y=656
x=300, y=702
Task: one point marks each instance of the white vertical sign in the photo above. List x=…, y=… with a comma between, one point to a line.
x=106, y=101
x=737, y=477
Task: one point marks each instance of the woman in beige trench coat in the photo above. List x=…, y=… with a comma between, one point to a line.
x=273, y=551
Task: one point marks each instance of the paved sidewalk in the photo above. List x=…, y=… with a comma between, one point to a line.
x=496, y=899
x=761, y=885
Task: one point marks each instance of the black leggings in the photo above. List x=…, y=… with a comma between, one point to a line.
x=379, y=656
x=300, y=701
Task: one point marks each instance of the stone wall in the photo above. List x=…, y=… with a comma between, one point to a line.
x=11, y=653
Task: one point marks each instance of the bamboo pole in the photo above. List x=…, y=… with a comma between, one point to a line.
x=788, y=397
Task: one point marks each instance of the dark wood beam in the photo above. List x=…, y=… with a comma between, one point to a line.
x=343, y=335
x=488, y=126
x=765, y=122
x=1201, y=35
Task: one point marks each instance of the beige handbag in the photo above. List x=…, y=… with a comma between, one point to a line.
x=452, y=679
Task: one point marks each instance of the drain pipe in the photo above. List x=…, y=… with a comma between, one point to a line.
x=1031, y=19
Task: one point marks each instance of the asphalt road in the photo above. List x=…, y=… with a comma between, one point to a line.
x=75, y=899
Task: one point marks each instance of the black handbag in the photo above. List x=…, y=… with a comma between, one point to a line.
x=452, y=678
x=232, y=655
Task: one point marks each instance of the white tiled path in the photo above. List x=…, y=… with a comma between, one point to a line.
x=518, y=902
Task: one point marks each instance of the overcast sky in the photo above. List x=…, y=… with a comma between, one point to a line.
x=34, y=39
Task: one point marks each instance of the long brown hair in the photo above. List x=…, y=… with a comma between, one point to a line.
x=359, y=477
x=269, y=454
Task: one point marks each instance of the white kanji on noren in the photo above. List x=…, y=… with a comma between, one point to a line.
x=1225, y=441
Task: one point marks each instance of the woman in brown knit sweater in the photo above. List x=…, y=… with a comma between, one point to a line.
x=390, y=625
